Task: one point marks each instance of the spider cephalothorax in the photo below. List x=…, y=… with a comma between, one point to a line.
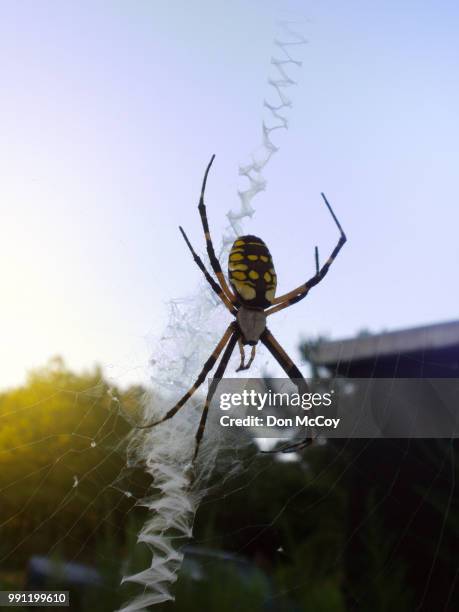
x=252, y=276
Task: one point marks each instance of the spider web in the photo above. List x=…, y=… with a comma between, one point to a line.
x=77, y=432
x=184, y=347
x=428, y=517
x=155, y=500
x=82, y=465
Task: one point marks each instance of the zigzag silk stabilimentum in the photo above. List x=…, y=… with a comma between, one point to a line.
x=189, y=338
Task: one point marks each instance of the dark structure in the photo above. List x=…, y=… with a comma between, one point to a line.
x=431, y=351
x=411, y=484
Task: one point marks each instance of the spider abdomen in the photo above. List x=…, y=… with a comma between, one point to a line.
x=251, y=272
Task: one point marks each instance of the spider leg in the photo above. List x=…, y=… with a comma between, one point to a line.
x=284, y=360
x=213, y=387
x=242, y=365
x=292, y=300
x=210, y=247
x=241, y=351
x=215, y=286
x=201, y=378
x=300, y=292
x=252, y=356
x=294, y=374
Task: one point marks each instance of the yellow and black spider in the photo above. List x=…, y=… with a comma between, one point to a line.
x=253, y=278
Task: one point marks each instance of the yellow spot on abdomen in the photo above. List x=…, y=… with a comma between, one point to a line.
x=244, y=290
x=254, y=275
x=264, y=258
x=236, y=257
x=270, y=295
x=239, y=243
x=267, y=276
x=252, y=257
x=239, y=275
x=240, y=266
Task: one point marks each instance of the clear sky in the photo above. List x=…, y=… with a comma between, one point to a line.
x=110, y=112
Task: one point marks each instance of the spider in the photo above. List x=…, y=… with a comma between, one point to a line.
x=250, y=299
